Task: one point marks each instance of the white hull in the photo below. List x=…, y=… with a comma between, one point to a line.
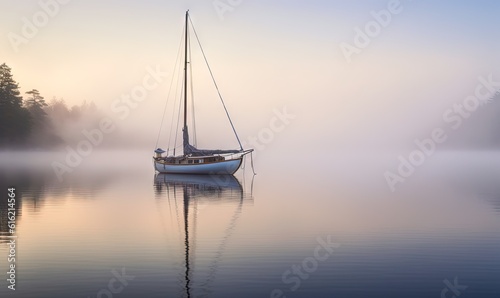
x=215, y=168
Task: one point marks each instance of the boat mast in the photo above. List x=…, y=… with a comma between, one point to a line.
x=185, y=70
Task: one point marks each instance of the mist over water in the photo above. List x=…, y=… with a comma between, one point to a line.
x=113, y=212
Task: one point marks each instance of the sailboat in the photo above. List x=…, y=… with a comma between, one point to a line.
x=194, y=160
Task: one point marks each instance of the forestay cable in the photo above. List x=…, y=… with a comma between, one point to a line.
x=215, y=83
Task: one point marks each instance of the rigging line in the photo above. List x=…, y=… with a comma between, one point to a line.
x=222, y=246
x=251, y=187
x=177, y=128
x=173, y=113
x=179, y=74
x=173, y=110
x=165, y=234
x=169, y=204
x=162, y=219
x=251, y=162
x=215, y=83
x=195, y=143
x=168, y=96
x=244, y=170
x=177, y=214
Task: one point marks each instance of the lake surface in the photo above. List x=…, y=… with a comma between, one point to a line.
x=299, y=228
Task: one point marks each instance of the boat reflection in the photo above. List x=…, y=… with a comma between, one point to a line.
x=203, y=197
x=211, y=187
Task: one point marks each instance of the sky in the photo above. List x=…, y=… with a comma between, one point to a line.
x=267, y=56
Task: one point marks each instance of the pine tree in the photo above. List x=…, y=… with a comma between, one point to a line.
x=15, y=121
x=35, y=105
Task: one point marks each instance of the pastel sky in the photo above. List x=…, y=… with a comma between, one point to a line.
x=267, y=55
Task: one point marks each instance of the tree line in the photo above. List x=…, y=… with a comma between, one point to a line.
x=30, y=122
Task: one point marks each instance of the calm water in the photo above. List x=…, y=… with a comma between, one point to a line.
x=112, y=228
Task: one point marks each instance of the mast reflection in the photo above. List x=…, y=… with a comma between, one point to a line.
x=213, y=190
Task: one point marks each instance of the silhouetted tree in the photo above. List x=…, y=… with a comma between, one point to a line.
x=15, y=121
x=35, y=124
x=35, y=105
x=43, y=134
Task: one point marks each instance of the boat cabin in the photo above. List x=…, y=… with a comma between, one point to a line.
x=188, y=160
